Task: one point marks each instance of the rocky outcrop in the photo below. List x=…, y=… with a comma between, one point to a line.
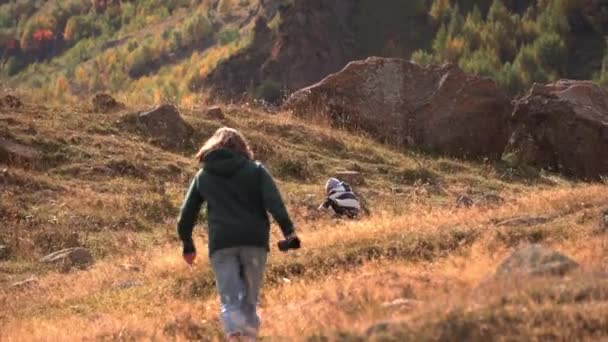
x=437, y=108
x=69, y=258
x=315, y=38
x=240, y=72
x=562, y=127
x=535, y=260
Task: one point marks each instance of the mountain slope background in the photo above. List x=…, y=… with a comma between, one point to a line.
x=186, y=50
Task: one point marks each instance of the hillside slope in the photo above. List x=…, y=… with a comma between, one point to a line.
x=182, y=50
x=100, y=185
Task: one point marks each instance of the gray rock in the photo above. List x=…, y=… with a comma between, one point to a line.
x=66, y=259
x=535, y=260
x=562, y=126
x=165, y=126
x=526, y=221
x=438, y=107
x=214, y=113
x=604, y=221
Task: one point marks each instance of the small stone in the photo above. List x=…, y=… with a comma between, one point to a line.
x=214, y=113
x=464, y=202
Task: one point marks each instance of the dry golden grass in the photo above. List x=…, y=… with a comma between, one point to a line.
x=112, y=191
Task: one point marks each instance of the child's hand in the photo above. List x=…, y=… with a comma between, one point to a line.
x=189, y=258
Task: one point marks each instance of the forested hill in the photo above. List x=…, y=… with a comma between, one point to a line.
x=156, y=50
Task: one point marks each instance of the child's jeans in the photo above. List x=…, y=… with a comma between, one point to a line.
x=238, y=274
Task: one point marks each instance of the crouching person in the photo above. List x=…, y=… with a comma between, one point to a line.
x=341, y=198
x=238, y=192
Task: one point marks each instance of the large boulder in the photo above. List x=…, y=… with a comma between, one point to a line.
x=313, y=39
x=535, y=260
x=66, y=259
x=439, y=108
x=165, y=126
x=562, y=127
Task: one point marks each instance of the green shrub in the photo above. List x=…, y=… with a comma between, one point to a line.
x=510, y=79
x=13, y=66
x=139, y=60
x=551, y=51
x=196, y=29
x=80, y=27
x=482, y=62
x=228, y=36
x=269, y=91
x=422, y=57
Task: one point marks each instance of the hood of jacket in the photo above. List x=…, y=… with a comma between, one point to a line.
x=223, y=162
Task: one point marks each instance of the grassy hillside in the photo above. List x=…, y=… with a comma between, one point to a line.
x=153, y=51
x=521, y=42
x=109, y=189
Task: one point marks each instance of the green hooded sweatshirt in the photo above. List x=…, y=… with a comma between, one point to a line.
x=238, y=193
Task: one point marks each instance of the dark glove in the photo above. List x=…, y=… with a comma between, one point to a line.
x=291, y=242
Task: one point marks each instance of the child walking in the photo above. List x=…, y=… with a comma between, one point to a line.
x=239, y=192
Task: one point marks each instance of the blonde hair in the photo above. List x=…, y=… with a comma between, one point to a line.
x=226, y=138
